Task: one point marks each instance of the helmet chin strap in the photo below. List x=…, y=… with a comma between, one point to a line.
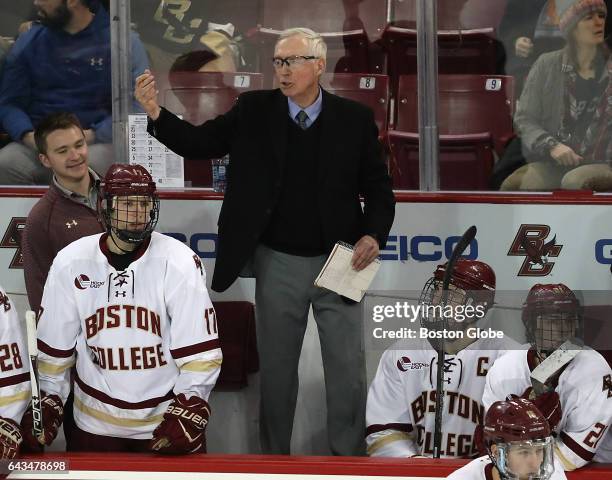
x=123, y=250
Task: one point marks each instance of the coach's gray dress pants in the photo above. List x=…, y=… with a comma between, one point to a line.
x=284, y=292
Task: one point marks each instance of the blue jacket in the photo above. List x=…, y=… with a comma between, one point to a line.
x=51, y=70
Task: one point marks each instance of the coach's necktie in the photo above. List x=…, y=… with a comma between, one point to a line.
x=301, y=118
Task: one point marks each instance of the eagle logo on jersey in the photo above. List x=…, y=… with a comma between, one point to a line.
x=530, y=242
x=607, y=384
x=198, y=263
x=6, y=303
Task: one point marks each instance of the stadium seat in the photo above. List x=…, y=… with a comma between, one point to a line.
x=466, y=161
x=236, y=325
x=201, y=96
x=349, y=28
x=347, y=51
x=474, y=122
x=371, y=90
x=324, y=15
x=459, y=51
x=453, y=14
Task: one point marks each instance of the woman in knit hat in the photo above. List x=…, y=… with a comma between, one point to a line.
x=565, y=111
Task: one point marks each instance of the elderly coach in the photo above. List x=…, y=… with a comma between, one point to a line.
x=300, y=158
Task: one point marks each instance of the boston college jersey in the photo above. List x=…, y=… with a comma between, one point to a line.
x=14, y=362
x=585, y=394
x=139, y=336
x=400, y=412
x=482, y=469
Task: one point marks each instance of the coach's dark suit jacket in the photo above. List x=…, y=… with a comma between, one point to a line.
x=254, y=133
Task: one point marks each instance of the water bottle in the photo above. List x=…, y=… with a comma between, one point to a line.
x=219, y=173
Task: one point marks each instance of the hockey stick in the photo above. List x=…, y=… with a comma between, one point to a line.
x=546, y=372
x=30, y=318
x=463, y=243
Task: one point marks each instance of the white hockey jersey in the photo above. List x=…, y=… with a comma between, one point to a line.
x=400, y=411
x=585, y=394
x=481, y=468
x=15, y=390
x=139, y=337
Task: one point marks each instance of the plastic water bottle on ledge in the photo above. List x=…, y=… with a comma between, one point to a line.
x=219, y=173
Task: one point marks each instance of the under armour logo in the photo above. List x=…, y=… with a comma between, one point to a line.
x=71, y=224
x=93, y=61
x=117, y=293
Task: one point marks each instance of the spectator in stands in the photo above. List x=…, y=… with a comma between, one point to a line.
x=528, y=29
x=60, y=64
x=217, y=52
x=563, y=116
x=299, y=160
x=195, y=36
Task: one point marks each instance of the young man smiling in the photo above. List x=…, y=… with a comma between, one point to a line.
x=67, y=211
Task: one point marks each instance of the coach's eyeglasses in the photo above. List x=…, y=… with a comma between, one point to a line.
x=292, y=61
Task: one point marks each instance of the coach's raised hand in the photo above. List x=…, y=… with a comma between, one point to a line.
x=146, y=93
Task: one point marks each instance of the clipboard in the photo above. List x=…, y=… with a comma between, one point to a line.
x=339, y=276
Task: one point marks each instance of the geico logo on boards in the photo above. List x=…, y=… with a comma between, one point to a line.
x=424, y=248
x=204, y=244
x=603, y=251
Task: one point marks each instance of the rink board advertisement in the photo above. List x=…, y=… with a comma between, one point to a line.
x=567, y=243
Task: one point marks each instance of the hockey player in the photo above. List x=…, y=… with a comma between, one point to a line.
x=131, y=308
x=578, y=405
x=14, y=378
x=519, y=446
x=400, y=412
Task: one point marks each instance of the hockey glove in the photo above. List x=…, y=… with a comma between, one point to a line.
x=479, y=443
x=10, y=438
x=182, y=429
x=52, y=417
x=548, y=404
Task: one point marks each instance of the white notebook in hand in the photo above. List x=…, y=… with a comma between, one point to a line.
x=339, y=276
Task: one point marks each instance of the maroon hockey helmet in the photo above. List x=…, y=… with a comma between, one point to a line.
x=551, y=314
x=514, y=420
x=517, y=426
x=474, y=279
x=471, y=283
x=469, y=275
x=133, y=181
